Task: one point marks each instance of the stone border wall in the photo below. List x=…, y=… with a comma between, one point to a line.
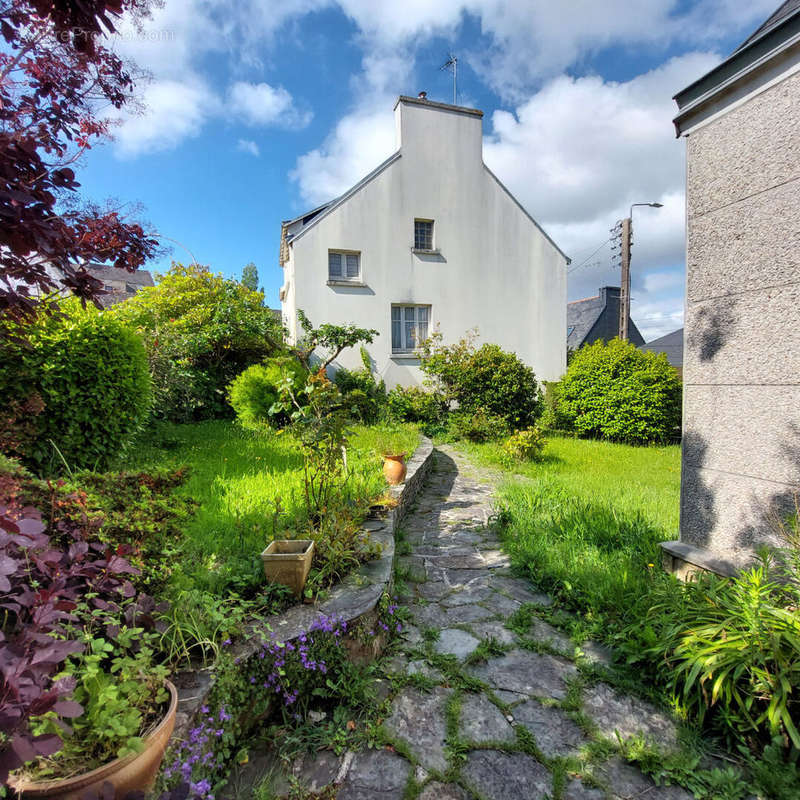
x=355, y=598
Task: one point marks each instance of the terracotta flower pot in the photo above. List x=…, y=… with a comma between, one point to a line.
x=288, y=561
x=136, y=772
x=394, y=468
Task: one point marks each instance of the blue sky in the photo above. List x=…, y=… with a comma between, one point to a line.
x=255, y=111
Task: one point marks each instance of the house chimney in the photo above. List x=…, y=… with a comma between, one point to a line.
x=423, y=95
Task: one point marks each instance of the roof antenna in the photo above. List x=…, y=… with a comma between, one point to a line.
x=452, y=65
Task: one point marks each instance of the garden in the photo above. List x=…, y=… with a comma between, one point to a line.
x=151, y=451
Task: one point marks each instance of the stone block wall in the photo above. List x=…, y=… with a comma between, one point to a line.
x=741, y=443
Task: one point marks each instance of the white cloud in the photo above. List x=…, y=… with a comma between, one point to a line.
x=248, y=146
x=363, y=138
x=262, y=104
x=175, y=111
x=175, y=46
x=360, y=142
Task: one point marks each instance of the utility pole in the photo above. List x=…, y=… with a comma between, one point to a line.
x=625, y=279
x=622, y=236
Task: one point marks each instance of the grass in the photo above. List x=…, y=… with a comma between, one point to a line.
x=249, y=487
x=585, y=523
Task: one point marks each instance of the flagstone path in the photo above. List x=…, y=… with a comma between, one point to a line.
x=486, y=713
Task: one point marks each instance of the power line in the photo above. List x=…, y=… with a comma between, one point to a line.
x=578, y=266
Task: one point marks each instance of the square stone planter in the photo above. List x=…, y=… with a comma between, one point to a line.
x=288, y=561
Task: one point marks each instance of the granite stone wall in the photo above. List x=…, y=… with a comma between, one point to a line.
x=741, y=444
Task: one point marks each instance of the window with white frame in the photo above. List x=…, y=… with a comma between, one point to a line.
x=344, y=265
x=423, y=234
x=409, y=327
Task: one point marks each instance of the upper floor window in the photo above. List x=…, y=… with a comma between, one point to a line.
x=423, y=234
x=344, y=265
x=409, y=327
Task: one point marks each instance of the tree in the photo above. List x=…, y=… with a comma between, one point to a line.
x=333, y=338
x=200, y=330
x=250, y=277
x=57, y=81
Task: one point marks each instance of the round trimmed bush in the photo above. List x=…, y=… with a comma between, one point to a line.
x=90, y=372
x=486, y=378
x=616, y=391
x=253, y=392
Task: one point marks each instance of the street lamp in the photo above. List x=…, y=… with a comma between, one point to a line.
x=625, y=260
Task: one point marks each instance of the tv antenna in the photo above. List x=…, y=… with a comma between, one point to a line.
x=452, y=66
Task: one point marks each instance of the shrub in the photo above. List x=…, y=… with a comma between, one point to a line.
x=200, y=330
x=414, y=404
x=526, y=445
x=365, y=395
x=138, y=511
x=90, y=373
x=477, y=426
x=486, y=378
x=550, y=419
x=254, y=392
x=615, y=391
x=730, y=650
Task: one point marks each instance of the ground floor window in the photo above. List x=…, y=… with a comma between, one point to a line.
x=409, y=327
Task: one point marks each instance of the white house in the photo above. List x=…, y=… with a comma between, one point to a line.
x=429, y=238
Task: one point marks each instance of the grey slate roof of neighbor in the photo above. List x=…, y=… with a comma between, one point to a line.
x=671, y=344
x=596, y=318
x=133, y=282
x=140, y=277
x=777, y=35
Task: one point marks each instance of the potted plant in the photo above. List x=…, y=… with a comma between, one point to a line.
x=394, y=468
x=136, y=770
x=288, y=561
x=75, y=647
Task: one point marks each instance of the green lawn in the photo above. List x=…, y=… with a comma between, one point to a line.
x=237, y=476
x=585, y=523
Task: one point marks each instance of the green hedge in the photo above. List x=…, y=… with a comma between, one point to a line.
x=90, y=372
x=615, y=391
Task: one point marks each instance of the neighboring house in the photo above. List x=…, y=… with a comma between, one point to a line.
x=430, y=239
x=671, y=345
x=596, y=318
x=119, y=283
x=741, y=430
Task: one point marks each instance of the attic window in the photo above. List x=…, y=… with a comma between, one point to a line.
x=344, y=265
x=423, y=234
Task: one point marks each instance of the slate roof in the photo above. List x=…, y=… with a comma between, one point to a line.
x=671, y=344
x=783, y=12
x=596, y=318
x=133, y=281
x=140, y=277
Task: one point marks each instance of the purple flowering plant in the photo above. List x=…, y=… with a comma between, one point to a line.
x=279, y=676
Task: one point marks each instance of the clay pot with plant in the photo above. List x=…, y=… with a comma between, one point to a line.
x=80, y=646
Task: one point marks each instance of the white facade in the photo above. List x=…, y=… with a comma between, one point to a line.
x=490, y=267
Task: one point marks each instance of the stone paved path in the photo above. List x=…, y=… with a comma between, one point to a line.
x=484, y=713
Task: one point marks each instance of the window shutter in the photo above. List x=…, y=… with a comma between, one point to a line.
x=352, y=265
x=334, y=265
